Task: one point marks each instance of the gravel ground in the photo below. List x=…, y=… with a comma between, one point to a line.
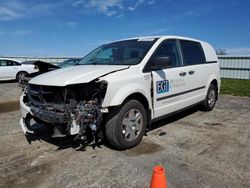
x=199, y=149
x=9, y=91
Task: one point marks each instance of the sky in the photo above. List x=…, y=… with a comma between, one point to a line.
x=75, y=27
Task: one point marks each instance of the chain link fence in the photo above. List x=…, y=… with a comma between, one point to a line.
x=53, y=60
x=237, y=67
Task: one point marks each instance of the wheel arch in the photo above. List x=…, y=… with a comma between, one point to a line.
x=21, y=72
x=215, y=83
x=142, y=99
x=213, y=79
x=139, y=97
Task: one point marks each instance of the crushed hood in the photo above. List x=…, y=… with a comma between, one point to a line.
x=42, y=65
x=75, y=75
x=45, y=67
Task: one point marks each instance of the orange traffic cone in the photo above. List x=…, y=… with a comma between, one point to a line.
x=158, y=179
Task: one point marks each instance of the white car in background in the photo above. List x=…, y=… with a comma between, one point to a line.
x=13, y=70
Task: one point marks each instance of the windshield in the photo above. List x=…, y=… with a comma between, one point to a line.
x=69, y=63
x=129, y=52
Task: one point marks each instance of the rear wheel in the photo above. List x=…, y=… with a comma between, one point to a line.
x=125, y=128
x=21, y=75
x=211, y=98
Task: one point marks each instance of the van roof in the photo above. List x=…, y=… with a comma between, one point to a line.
x=160, y=36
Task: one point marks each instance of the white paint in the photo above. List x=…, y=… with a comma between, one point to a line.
x=126, y=80
x=10, y=72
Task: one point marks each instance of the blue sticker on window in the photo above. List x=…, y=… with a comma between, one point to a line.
x=162, y=86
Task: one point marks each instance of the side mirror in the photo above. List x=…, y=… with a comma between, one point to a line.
x=160, y=62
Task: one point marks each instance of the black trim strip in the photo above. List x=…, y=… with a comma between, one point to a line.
x=211, y=62
x=235, y=68
x=181, y=93
x=232, y=57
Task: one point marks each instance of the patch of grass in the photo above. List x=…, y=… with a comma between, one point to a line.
x=235, y=87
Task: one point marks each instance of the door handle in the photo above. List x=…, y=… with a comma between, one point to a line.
x=182, y=73
x=191, y=72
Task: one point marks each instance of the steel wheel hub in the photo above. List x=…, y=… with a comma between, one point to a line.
x=132, y=124
x=211, y=98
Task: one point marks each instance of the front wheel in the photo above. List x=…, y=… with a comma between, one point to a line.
x=125, y=128
x=211, y=98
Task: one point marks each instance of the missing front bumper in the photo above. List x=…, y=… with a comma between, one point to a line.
x=83, y=123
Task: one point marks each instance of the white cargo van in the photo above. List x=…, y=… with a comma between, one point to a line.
x=121, y=87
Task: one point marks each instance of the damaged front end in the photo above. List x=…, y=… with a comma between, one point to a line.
x=70, y=110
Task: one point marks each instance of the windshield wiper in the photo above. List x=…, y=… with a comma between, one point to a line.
x=93, y=61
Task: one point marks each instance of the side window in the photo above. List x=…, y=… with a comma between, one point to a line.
x=192, y=52
x=169, y=49
x=16, y=63
x=3, y=63
x=10, y=63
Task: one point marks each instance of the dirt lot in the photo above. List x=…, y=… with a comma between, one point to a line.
x=198, y=150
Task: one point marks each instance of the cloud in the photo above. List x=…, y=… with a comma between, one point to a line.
x=192, y=13
x=111, y=7
x=111, y=13
x=22, y=32
x=16, y=9
x=7, y=14
x=151, y=2
x=10, y=10
x=41, y=9
x=108, y=7
x=72, y=24
x=153, y=32
x=137, y=3
x=161, y=31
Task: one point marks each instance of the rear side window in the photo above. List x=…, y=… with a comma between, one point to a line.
x=3, y=63
x=192, y=52
x=16, y=63
x=10, y=63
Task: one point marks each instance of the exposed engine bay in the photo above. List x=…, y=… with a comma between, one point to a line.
x=70, y=110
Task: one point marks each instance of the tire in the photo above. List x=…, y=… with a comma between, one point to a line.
x=125, y=128
x=21, y=75
x=211, y=98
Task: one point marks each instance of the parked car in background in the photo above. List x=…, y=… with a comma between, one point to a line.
x=13, y=70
